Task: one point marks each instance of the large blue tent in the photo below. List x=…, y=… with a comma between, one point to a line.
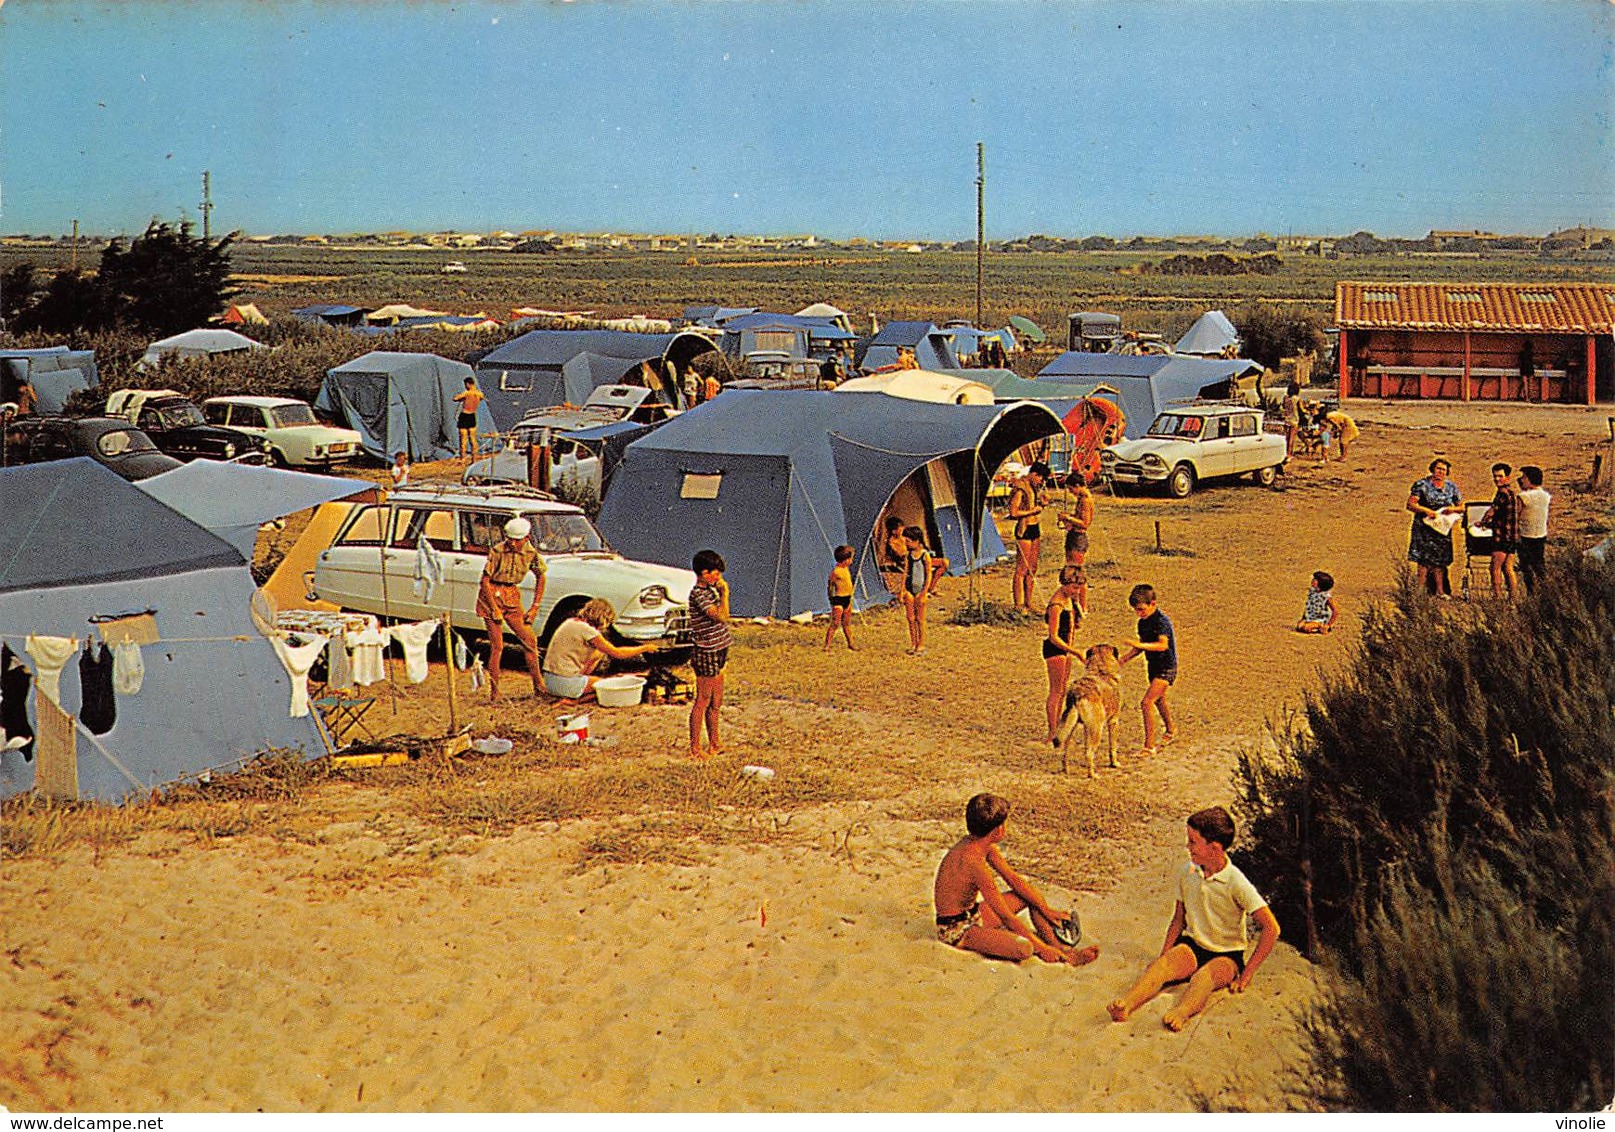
x=775, y=480
x=80, y=547
x=400, y=402
x=55, y=372
x=234, y=500
x=1146, y=384
x=562, y=367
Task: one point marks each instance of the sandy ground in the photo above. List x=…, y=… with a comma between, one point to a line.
x=349, y=949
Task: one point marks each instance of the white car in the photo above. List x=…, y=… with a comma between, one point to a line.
x=371, y=563
x=296, y=436
x=1197, y=442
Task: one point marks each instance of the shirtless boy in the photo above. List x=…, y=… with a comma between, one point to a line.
x=989, y=925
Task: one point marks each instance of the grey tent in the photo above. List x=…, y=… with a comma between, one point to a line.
x=55, y=372
x=234, y=500
x=1210, y=335
x=1146, y=383
x=775, y=481
x=79, y=547
x=562, y=367
x=196, y=344
x=932, y=349
x=401, y=402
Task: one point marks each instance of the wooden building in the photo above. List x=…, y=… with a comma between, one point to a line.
x=1542, y=342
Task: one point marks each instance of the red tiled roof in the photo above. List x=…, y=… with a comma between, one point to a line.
x=1570, y=308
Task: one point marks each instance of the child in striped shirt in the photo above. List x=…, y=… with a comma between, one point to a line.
x=709, y=628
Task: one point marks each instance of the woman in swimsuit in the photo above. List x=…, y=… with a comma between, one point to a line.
x=1059, y=646
x=1026, y=508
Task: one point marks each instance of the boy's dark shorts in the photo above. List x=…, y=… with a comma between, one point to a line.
x=1204, y=955
x=709, y=662
x=1170, y=675
x=841, y=602
x=1076, y=541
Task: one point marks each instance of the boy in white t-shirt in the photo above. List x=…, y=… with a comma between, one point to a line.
x=1205, y=943
x=1533, y=525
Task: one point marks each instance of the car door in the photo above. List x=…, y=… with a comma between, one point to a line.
x=349, y=571
x=410, y=525
x=1216, y=447
x=1246, y=432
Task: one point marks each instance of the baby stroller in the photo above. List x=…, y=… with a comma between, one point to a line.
x=1477, y=549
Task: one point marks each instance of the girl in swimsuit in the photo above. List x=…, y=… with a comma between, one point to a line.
x=1059, y=646
x=1026, y=508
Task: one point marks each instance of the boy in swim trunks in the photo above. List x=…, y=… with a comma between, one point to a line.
x=1205, y=942
x=839, y=585
x=973, y=915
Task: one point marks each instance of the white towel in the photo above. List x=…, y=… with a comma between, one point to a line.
x=415, y=638
x=338, y=665
x=428, y=570
x=128, y=668
x=51, y=655
x=297, y=660
x=1442, y=523
x=368, y=663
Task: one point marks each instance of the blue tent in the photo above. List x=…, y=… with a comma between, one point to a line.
x=932, y=349
x=774, y=481
x=799, y=336
x=330, y=314
x=401, y=403
x=55, y=372
x=79, y=545
x=562, y=367
x=1146, y=384
x=234, y=500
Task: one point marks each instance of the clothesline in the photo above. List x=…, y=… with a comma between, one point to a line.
x=14, y=636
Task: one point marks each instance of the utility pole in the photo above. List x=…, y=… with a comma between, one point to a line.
x=207, y=205
x=75, y=247
x=981, y=224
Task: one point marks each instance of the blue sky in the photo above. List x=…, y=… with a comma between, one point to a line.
x=852, y=117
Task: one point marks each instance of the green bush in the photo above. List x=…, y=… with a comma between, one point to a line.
x=1438, y=826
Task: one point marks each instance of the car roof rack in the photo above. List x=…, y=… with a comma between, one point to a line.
x=438, y=489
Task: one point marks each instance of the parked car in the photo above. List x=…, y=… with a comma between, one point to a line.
x=112, y=441
x=296, y=436
x=370, y=564
x=1197, y=442
x=178, y=427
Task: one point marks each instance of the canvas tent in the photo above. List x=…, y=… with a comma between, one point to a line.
x=55, y=372
x=1146, y=384
x=400, y=402
x=78, y=544
x=243, y=314
x=330, y=314
x=562, y=367
x=1210, y=335
x=234, y=500
x=195, y=344
x=932, y=349
x=774, y=481
x=922, y=385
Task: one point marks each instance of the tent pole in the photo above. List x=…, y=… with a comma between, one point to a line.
x=448, y=673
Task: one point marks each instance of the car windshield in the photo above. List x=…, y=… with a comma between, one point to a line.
x=566, y=533
x=289, y=416
x=121, y=441
x=182, y=415
x=1174, y=424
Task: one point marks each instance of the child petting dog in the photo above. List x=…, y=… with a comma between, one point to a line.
x=973, y=915
x=1159, y=645
x=1205, y=943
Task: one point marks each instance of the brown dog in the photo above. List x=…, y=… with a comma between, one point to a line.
x=1093, y=700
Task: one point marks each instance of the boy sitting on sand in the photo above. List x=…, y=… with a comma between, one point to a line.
x=989, y=925
x=1206, y=940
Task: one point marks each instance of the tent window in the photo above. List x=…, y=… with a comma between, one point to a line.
x=364, y=529
x=699, y=485
x=783, y=341
x=515, y=382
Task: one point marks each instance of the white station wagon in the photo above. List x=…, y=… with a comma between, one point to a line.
x=296, y=436
x=371, y=563
x=1194, y=443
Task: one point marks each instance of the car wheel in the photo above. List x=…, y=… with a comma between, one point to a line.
x=1181, y=482
x=278, y=458
x=1266, y=476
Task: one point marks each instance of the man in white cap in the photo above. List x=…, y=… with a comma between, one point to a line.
x=499, y=600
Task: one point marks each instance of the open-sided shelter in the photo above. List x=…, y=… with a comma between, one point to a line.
x=1146, y=384
x=562, y=367
x=55, y=372
x=85, y=554
x=774, y=481
x=399, y=402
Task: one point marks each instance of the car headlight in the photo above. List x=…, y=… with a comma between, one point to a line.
x=653, y=595
x=1153, y=461
x=229, y=451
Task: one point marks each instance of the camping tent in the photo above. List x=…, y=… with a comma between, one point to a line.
x=242, y=314
x=55, y=372
x=774, y=481
x=922, y=385
x=562, y=367
x=1146, y=384
x=391, y=313
x=234, y=500
x=197, y=343
x=330, y=314
x=932, y=349
x=78, y=547
x=1210, y=335
x=401, y=403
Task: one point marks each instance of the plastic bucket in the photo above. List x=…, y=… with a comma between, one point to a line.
x=619, y=691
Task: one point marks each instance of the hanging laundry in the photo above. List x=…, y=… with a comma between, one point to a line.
x=297, y=660
x=338, y=665
x=57, y=775
x=128, y=668
x=134, y=628
x=415, y=638
x=15, y=680
x=51, y=655
x=98, y=708
x=462, y=654
x=369, y=665
x=428, y=570
x=479, y=674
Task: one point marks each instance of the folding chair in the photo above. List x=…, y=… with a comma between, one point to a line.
x=344, y=714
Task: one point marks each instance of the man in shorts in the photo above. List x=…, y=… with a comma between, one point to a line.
x=499, y=601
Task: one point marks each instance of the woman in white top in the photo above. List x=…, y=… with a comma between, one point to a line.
x=577, y=647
